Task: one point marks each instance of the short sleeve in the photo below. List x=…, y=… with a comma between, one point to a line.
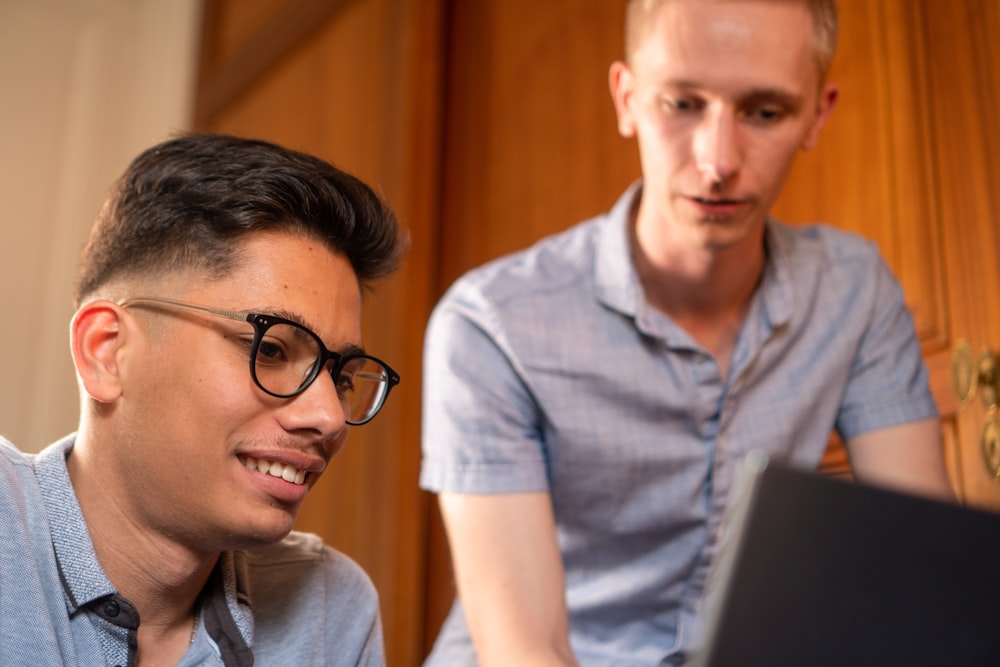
x=481, y=428
x=888, y=383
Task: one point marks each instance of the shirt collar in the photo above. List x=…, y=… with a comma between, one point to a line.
x=777, y=288
x=83, y=578
x=615, y=278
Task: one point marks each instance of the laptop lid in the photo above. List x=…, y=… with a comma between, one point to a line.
x=816, y=571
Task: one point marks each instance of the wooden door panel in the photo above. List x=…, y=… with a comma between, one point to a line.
x=531, y=145
x=964, y=73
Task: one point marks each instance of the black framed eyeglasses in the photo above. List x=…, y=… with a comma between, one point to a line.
x=286, y=357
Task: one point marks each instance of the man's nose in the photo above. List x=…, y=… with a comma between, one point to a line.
x=717, y=152
x=319, y=409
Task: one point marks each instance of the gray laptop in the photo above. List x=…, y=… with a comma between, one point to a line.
x=815, y=571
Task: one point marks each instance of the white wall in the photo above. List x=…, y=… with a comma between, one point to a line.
x=84, y=86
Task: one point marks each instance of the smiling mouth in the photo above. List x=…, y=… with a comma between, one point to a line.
x=275, y=469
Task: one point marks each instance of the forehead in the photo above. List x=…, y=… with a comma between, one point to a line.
x=290, y=273
x=729, y=44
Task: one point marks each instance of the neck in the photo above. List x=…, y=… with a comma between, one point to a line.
x=683, y=279
x=157, y=574
x=706, y=290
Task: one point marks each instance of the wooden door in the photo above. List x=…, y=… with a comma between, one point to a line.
x=964, y=77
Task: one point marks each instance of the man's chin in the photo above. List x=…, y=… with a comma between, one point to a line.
x=263, y=534
x=257, y=540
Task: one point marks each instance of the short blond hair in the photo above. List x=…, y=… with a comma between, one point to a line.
x=823, y=12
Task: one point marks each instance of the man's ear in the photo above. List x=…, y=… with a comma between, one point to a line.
x=827, y=101
x=621, y=83
x=96, y=338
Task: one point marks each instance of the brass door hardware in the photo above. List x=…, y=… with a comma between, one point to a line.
x=971, y=374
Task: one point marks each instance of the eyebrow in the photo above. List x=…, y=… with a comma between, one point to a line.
x=286, y=314
x=345, y=350
x=777, y=94
x=351, y=350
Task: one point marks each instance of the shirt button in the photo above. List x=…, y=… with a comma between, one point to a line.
x=111, y=608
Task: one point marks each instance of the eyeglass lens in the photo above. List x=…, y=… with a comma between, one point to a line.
x=286, y=362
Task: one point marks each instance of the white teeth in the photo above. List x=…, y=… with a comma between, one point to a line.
x=275, y=469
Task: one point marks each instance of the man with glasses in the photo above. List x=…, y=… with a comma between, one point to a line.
x=217, y=344
x=587, y=400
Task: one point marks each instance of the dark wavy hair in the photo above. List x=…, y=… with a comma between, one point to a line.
x=185, y=202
